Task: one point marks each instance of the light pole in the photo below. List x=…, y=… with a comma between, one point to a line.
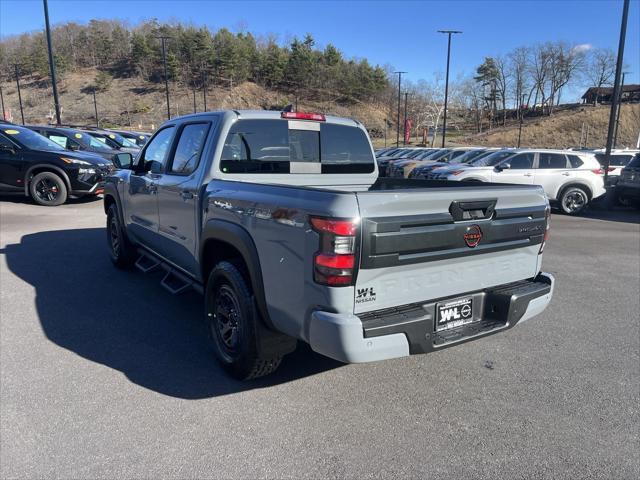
x=404, y=129
x=19, y=94
x=52, y=65
x=163, y=38
x=95, y=107
x=2, y=101
x=204, y=87
x=521, y=119
x=616, y=89
x=398, y=117
x=615, y=134
x=446, y=82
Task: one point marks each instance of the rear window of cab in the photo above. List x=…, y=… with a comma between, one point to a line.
x=289, y=146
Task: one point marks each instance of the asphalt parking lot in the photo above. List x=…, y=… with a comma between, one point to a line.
x=104, y=375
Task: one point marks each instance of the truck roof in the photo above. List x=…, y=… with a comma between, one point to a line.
x=268, y=114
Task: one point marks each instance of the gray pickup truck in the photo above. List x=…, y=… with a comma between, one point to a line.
x=280, y=220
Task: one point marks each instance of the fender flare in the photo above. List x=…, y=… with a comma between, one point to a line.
x=238, y=238
x=57, y=170
x=111, y=190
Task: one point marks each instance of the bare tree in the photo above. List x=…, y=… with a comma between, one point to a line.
x=600, y=68
x=518, y=65
x=565, y=63
x=503, y=78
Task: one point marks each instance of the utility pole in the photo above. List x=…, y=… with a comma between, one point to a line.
x=19, y=94
x=615, y=134
x=404, y=129
x=52, y=64
x=194, y=100
x=398, y=117
x=521, y=120
x=385, y=132
x=95, y=107
x=446, y=83
x=2, y=101
x=204, y=88
x=163, y=38
x=616, y=89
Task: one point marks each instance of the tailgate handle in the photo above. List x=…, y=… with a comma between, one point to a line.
x=472, y=209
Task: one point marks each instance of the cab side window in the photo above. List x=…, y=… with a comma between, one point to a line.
x=552, y=160
x=522, y=161
x=189, y=148
x=155, y=155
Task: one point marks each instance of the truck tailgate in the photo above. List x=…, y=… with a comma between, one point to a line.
x=421, y=244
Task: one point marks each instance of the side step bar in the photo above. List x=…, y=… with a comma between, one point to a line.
x=173, y=280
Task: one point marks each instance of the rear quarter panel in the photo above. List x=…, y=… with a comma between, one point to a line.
x=277, y=219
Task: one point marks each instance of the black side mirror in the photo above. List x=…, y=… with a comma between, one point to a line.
x=7, y=149
x=123, y=160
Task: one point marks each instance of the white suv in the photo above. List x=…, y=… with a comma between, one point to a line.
x=570, y=179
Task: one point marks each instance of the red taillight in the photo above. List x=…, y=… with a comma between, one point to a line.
x=335, y=261
x=337, y=227
x=547, y=219
x=318, y=117
x=334, y=264
x=598, y=171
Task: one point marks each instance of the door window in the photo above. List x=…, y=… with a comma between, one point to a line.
x=552, y=160
x=6, y=141
x=189, y=148
x=521, y=161
x=59, y=139
x=155, y=155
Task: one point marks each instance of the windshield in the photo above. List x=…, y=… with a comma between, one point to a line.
x=438, y=154
x=493, y=159
x=635, y=162
x=105, y=140
x=30, y=139
x=415, y=154
x=470, y=155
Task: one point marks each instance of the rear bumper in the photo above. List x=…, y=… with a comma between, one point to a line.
x=628, y=191
x=410, y=330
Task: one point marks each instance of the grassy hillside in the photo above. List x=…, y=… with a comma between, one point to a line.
x=132, y=102
x=564, y=129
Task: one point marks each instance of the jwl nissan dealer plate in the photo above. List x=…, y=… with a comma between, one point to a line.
x=454, y=313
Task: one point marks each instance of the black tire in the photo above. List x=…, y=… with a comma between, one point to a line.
x=122, y=253
x=48, y=189
x=573, y=200
x=232, y=324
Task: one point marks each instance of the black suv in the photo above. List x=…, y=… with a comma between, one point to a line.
x=45, y=171
x=628, y=187
x=77, y=140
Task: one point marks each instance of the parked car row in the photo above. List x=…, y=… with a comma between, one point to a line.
x=571, y=179
x=49, y=164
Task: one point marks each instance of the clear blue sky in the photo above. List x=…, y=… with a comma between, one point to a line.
x=402, y=34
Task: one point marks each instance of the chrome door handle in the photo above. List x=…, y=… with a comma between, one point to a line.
x=528, y=174
x=566, y=174
x=186, y=195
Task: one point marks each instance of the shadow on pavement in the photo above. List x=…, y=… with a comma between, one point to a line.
x=614, y=214
x=127, y=321
x=22, y=198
